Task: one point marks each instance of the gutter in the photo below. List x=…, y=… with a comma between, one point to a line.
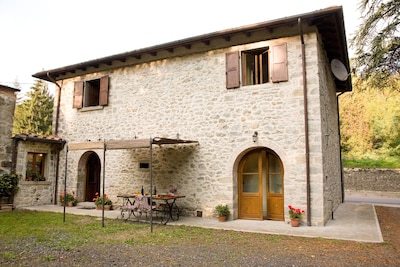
x=340, y=149
x=56, y=133
x=307, y=145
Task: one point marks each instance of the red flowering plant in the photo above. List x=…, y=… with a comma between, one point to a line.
x=295, y=213
x=98, y=200
x=69, y=197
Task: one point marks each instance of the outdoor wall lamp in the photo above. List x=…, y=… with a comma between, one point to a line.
x=255, y=136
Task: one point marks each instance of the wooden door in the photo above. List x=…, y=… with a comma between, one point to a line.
x=93, y=168
x=250, y=186
x=274, y=188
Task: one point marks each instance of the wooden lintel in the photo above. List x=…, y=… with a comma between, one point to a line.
x=85, y=145
x=127, y=144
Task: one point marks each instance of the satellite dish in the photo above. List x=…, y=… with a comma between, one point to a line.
x=339, y=70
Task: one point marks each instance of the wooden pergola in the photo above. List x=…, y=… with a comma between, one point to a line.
x=125, y=144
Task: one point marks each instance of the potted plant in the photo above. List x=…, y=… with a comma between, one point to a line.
x=8, y=188
x=222, y=212
x=34, y=176
x=98, y=201
x=70, y=199
x=295, y=215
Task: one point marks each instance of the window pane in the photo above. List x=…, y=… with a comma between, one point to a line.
x=92, y=93
x=35, y=167
x=251, y=164
x=250, y=183
x=273, y=164
x=265, y=73
x=250, y=69
x=275, y=183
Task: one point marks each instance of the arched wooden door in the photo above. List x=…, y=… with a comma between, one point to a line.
x=260, y=186
x=93, y=167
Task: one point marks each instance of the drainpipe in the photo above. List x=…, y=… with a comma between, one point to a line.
x=56, y=133
x=307, y=145
x=340, y=149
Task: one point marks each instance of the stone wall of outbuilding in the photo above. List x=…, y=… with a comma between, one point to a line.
x=33, y=193
x=7, y=104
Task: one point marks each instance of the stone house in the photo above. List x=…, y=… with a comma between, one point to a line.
x=246, y=116
x=8, y=97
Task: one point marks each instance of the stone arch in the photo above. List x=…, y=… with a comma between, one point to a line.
x=237, y=156
x=89, y=168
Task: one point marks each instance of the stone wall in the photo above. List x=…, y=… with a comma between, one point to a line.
x=384, y=182
x=32, y=193
x=7, y=104
x=188, y=95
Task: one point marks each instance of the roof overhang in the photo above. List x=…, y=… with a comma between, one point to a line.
x=329, y=22
x=5, y=87
x=51, y=139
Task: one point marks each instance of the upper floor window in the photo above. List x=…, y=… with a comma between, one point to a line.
x=91, y=93
x=255, y=67
x=258, y=66
x=35, y=167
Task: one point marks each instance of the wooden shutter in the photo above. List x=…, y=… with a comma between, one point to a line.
x=279, y=71
x=232, y=70
x=103, y=100
x=78, y=94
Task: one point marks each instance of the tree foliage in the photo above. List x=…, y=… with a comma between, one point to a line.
x=370, y=118
x=34, y=114
x=377, y=41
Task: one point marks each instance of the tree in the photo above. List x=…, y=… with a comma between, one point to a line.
x=377, y=42
x=370, y=119
x=34, y=114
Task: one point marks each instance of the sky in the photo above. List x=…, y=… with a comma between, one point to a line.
x=39, y=35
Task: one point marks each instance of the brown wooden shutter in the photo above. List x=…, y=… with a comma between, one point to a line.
x=78, y=95
x=279, y=71
x=232, y=70
x=103, y=100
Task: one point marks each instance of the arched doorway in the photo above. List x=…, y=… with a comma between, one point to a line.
x=92, y=175
x=260, y=186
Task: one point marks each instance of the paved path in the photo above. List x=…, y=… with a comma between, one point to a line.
x=351, y=221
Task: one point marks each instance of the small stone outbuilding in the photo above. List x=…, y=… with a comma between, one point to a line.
x=8, y=96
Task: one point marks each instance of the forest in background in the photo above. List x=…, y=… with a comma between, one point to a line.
x=370, y=123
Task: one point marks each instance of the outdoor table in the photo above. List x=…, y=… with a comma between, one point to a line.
x=167, y=206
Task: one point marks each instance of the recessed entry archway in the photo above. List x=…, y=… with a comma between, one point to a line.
x=89, y=175
x=260, y=185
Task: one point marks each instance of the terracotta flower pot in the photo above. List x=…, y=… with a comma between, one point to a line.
x=295, y=222
x=106, y=207
x=222, y=218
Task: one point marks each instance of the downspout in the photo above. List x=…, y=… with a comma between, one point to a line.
x=340, y=149
x=307, y=145
x=56, y=133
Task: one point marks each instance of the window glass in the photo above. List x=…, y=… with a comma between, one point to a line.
x=255, y=66
x=92, y=93
x=35, y=167
x=250, y=183
x=251, y=164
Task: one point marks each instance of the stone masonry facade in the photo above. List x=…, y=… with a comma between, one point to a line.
x=187, y=95
x=35, y=192
x=7, y=104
